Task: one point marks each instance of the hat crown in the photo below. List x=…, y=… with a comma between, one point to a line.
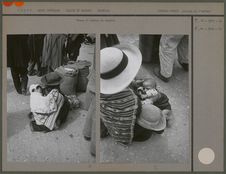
x=51, y=79
x=151, y=114
x=110, y=59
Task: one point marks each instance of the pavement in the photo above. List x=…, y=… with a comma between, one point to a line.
x=64, y=145
x=173, y=145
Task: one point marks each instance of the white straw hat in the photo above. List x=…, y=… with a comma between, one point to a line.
x=119, y=66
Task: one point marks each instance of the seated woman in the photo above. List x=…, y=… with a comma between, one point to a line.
x=120, y=108
x=146, y=90
x=49, y=107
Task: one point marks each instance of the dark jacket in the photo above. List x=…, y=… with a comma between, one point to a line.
x=52, y=54
x=17, y=51
x=163, y=102
x=74, y=45
x=35, y=45
x=108, y=40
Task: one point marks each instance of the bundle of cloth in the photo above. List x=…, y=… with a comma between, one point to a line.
x=45, y=109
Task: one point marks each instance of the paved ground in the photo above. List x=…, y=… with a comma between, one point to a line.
x=64, y=145
x=173, y=145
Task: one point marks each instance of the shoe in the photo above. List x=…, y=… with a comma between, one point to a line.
x=93, y=154
x=25, y=92
x=19, y=91
x=185, y=66
x=87, y=138
x=159, y=75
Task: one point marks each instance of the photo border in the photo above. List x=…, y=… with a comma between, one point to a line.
x=121, y=1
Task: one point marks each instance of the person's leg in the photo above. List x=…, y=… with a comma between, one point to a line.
x=88, y=123
x=182, y=51
x=31, y=70
x=16, y=79
x=168, y=53
x=24, y=80
x=39, y=68
x=88, y=99
x=89, y=130
x=93, y=129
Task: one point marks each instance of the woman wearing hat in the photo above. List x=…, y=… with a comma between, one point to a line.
x=50, y=121
x=120, y=108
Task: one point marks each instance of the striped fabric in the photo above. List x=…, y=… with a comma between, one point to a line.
x=118, y=113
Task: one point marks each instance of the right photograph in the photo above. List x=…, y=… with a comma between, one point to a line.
x=145, y=98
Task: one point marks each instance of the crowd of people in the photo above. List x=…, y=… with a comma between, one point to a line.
x=39, y=54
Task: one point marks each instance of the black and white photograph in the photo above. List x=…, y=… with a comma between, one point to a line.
x=51, y=98
x=144, y=98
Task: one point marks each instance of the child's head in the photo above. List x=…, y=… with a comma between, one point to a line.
x=149, y=84
x=35, y=88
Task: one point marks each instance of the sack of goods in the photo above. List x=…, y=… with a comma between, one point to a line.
x=83, y=72
x=70, y=75
x=74, y=101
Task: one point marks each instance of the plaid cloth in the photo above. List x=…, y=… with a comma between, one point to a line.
x=118, y=113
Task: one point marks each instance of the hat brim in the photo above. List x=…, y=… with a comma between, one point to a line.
x=120, y=82
x=156, y=127
x=161, y=125
x=43, y=80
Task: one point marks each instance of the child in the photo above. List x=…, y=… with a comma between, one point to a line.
x=44, y=109
x=149, y=94
x=39, y=103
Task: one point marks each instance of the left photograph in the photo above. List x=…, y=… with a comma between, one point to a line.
x=51, y=98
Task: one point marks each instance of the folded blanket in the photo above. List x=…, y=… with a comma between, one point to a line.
x=44, y=104
x=46, y=109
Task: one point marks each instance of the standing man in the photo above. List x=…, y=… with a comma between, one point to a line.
x=17, y=60
x=171, y=47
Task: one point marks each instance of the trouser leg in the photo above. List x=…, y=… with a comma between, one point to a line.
x=39, y=68
x=88, y=123
x=24, y=79
x=89, y=130
x=168, y=53
x=31, y=66
x=88, y=99
x=182, y=50
x=16, y=79
x=93, y=129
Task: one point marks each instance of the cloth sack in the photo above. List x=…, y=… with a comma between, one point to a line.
x=70, y=75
